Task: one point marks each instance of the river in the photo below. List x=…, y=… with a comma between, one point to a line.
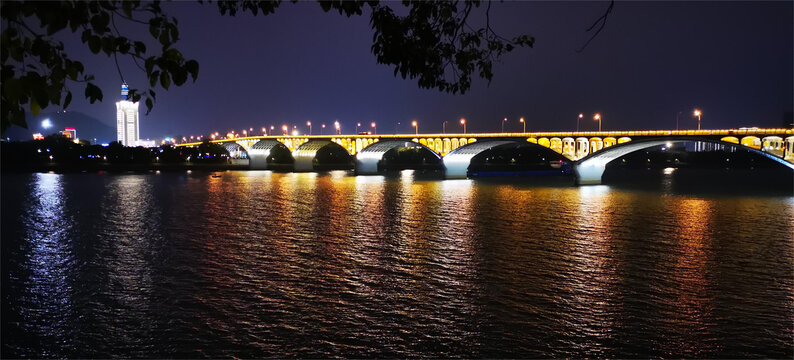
x=263, y=264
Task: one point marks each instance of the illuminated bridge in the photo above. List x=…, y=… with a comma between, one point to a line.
x=589, y=152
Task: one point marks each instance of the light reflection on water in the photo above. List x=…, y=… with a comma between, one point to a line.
x=253, y=264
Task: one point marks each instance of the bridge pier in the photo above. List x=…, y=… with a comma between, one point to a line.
x=589, y=174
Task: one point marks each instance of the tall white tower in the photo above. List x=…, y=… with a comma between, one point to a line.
x=127, y=129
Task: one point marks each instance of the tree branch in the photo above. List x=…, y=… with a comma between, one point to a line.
x=602, y=20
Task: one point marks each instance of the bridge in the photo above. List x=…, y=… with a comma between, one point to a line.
x=587, y=151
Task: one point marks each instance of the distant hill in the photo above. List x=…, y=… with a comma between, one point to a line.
x=88, y=128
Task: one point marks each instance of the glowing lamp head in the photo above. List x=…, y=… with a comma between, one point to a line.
x=46, y=123
x=373, y=124
x=521, y=120
x=697, y=112
x=462, y=121
x=581, y=116
x=284, y=127
x=597, y=117
x=308, y=123
x=413, y=123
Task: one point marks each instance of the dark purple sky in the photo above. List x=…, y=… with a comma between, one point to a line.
x=732, y=60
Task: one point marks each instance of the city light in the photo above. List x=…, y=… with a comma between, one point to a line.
x=309, y=124
x=415, y=125
x=698, y=113
x=463, y=122
x=521, y=120
x=503, y=124
x=577, y=121
x=46, y=123
x=374, y=128
x=338, y=129
x=597, y=117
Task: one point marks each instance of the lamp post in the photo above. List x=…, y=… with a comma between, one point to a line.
x=521, y=120
x=357, y=125
x=598, y=118
x=676, y=119
x=698, y=113
x=264, y=131
x=415, y=125
x=322, y=127
x=444, y=127
x=374, y=128
x=309, y=124
x=577, y=121
x=338, y=129
x=463, y=122
x=503, y=124
x=284, y=128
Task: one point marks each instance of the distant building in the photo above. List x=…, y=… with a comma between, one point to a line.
x=38, y=136
x=127, y=129
x=69, y=133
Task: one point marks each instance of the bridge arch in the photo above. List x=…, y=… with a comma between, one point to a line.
x=306, y=154
x=590, y=169
x=236, y=151
x=456, y=162
x=265, y=152
x=368, y=158
x=751, y=142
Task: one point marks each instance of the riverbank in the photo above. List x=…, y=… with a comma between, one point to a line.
x=76, y=168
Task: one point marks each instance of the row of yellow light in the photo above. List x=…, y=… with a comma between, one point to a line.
x=414, y=124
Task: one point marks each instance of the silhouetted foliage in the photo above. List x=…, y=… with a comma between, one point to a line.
x=434, y=43
x=37, y=70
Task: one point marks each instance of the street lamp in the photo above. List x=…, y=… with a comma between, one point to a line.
x=357, y=125
x=463, y=122
x=338, y=130
x=414, y=124
x=374, y=128
x=322, y=128
x=577, y=121
x=698, y=113
x=444, y=127
x=503, y=124
x=264, y=131
x=309, y=124
x=284, y=128
x=245, y=133
x=597, y=117
x=521, y=120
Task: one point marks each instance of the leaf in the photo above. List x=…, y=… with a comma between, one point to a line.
x=93, y=93
x=192, y=67
x=165, y=80
x=140, y=48
x=149, y=105
x=153, y=78
x=34, y=107
x=68, y=99
x=95, y=44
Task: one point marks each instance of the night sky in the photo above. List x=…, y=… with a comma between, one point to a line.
x=732, y=60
